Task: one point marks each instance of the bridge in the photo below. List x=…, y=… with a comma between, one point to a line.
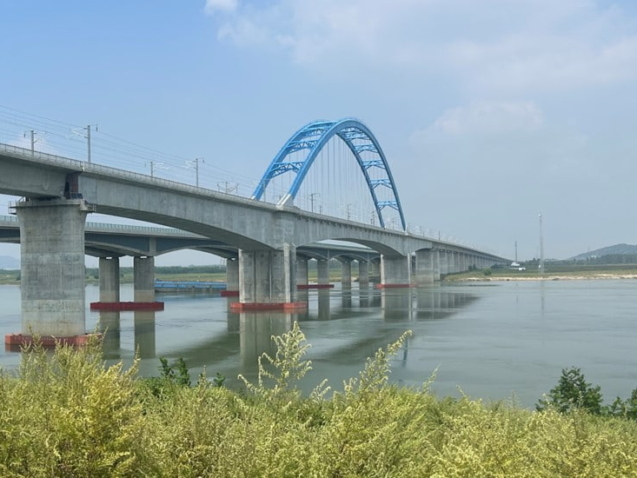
x=107, y=241
x=58, y=193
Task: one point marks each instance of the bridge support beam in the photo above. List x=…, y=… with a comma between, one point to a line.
x=267, y=280
x=346, y=273
x=52, y=270
x=363, y=274
x=424, y=272
x=109, y=279
x=144, y=279
x=394, y=272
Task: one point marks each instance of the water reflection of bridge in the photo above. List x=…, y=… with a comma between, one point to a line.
x=248, y=335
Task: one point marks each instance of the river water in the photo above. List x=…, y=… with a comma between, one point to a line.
x=490, y=340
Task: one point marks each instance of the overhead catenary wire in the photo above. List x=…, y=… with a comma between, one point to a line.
x=334, y=184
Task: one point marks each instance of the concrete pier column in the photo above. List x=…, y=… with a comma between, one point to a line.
x=144, y=278
x=52, y=266
x=363, y=274
x=375, y=271
x=435, y=264
x=232, y=275
x=462, y=262
x=451, y=257
x=442, y=261
x=109, y=279
x=323, y=272
x=424, y=271
x=394, y=271
x=346, y=273
x=267, y=280
x=301, y=271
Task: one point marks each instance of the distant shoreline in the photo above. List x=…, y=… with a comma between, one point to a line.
x=547, y=277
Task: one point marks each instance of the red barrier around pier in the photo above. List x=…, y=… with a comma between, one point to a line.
x=266, y=306
x=122, y=306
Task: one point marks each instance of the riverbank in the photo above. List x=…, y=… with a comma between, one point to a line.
x=507, y=275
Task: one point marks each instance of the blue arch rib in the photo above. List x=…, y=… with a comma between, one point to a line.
x=314, y=136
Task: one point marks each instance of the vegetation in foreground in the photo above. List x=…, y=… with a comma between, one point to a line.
x=70, y=415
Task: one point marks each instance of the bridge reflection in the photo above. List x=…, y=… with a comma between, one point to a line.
x=344, y=327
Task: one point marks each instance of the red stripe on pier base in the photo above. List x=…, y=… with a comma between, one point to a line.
x=392, y=286
x=315, y=286
x=265, y=306
x=229, y=293
x=118, y=306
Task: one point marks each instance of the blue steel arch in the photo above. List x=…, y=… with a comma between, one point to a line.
x=313, y=137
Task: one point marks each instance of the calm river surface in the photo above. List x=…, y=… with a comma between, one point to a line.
x=492, y=340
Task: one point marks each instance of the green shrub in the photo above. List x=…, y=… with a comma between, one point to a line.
x=66, y=414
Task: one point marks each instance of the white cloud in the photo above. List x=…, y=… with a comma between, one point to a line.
x=490, y=117
x=491, y=44
x=505, y=139
x=213, y=6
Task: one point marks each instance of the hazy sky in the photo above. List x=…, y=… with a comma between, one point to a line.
x=489, y=111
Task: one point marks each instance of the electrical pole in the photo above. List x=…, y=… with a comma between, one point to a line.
x=33, y=141
x=516, y=250
x=197, y=169
x=88, y=140
x=228, y=188
x=312, y=195
x=541, y=247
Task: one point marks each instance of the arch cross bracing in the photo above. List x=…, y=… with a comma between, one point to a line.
x=313, y=137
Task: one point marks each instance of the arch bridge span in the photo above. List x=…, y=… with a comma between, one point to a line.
x=312, y=139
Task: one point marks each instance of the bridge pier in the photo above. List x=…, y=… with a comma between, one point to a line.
x=301, y=272
x=52, y=270
x=109, y=279
x=346, y=273
x=435, y=264
x=363, y=274
x=424, y=271
x=143, y=285
x=394, y=272
x=462, y=262
x=375, y=271
x=442, y=263
x=232, y=278
x=267, y=280
x=323, y=272
x=144, y=278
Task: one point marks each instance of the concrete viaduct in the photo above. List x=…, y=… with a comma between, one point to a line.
x=58, y=193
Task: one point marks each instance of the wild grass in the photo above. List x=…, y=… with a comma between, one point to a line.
x=67, y=414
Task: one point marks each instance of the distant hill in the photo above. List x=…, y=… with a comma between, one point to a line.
x=616, y=250
x=8, y=262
